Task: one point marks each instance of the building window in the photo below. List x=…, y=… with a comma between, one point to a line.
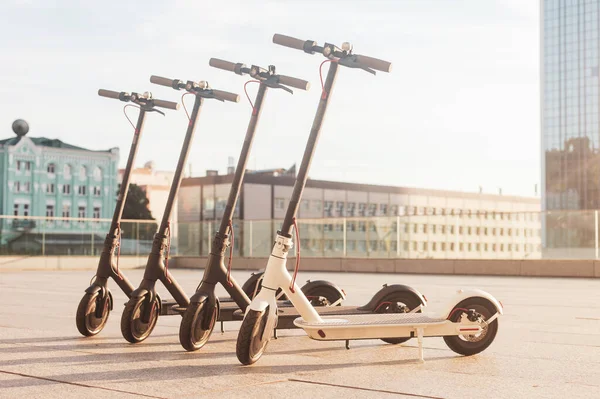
x=66, y=189
x=317, y=205
x=67, y=172
x=407, y=227
x=81, y=212
x=425, y=228
x=328, y=208
x=469, y=246
x=25, y=209
x=478, y=246
x=16, y=209
x=279, y=203
x=96, y=214
x=372, y=209
x=443, y=229
x=27, y=187
x=461, y=246
x=97, y=191
x=460, y=230
x=350, y=208
x=51, y=169
x=362, y=208
x=469, y=230
x=434, y=246
x=452, y=246
x=304, y=205
x=82, y=190
x=97, y=173
x=415, y=246
x=394, y=210
x=372, y=227
x=49, y=211
x=339, y=208
x=401, y=210
x=50, y=188
x=17, y=187
x=383, y=209
x=351, y=226
x=362, y=226
x=24, y=165
x=82, y=173
x=66, y=211
x=443, y=246
x=350, y=245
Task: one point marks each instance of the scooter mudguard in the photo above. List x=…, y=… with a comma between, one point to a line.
x=199, y=297
x=92, y=289
x=461, y=295
x=310, y=285
x=390, y=289
x=262, y=300
x=250, y=285
x=142, y=292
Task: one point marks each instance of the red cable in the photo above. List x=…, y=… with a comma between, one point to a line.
x=297, y=257
x=119, y=249
x=184, y=107
x=248, y=97
x=323, y=93
x=168, y=252
x=130, y=122
x=230, y=256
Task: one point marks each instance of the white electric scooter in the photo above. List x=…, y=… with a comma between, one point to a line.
x=468, y=326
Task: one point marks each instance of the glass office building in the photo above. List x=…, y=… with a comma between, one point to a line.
x=570, y=123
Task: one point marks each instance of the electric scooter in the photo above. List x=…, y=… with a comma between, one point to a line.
x=468, y=326
x=96, y=304
x=205, y=308
x=141, y=311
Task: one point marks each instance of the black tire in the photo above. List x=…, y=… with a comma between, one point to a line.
x=471, y=345
x=398, y=302
x=87, y=322
x=329, y=294
x=133, y=328
x=252, y=338
x=192, y=335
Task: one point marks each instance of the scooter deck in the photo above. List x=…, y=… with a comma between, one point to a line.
x=346, y=327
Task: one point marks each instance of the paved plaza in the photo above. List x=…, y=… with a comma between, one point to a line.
x=548, y=346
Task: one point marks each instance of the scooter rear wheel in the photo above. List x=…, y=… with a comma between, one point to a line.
x=468, y=345
x=88, y=322
x=133, y=328
x=252, y=338
x=398, y=302
x=193, y=330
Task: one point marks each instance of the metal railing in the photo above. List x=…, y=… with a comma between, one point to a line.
x=530, y=235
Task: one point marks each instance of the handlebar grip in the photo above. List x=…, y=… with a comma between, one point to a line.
x=374, y=63
x=222, y=64
x=294, y=82
x=288, y=41
x=225, y=95
x=165, y=104
x=159, y=80
x=110, y=94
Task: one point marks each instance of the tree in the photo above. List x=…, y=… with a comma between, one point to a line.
x=136, y=208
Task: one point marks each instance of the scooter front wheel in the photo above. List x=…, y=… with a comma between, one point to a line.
x=133, y=327
x=197, y=324
x=89, y=321
x=252, y=338
x=468, y=345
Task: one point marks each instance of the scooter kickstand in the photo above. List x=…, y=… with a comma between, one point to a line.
x=275, y=333
x=222, y=329
x=420, y=340
x=348, y=344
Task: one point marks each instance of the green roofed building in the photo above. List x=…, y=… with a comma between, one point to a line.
x=41, y=177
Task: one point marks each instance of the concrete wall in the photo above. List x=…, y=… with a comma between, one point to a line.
x=31, y=263
x=531, y=268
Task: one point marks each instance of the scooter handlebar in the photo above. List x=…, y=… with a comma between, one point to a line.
x=110, y=94
x=374, y=63
x=222, y=64
x=294, y=82
x=288, y=41
x=165, y=104
x=225, y=95
x=159, y=80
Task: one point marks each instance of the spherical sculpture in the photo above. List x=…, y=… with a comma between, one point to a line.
x=20, y=127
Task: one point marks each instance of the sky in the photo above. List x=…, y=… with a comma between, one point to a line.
x=459, y=110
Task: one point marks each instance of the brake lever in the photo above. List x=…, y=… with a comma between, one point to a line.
x=273, y=82
x=351, y=62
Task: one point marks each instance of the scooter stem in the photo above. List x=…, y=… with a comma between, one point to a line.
x=288, y=221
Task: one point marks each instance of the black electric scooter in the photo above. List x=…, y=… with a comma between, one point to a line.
x=144, y=305
x=205, y=308
x=96, y=304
